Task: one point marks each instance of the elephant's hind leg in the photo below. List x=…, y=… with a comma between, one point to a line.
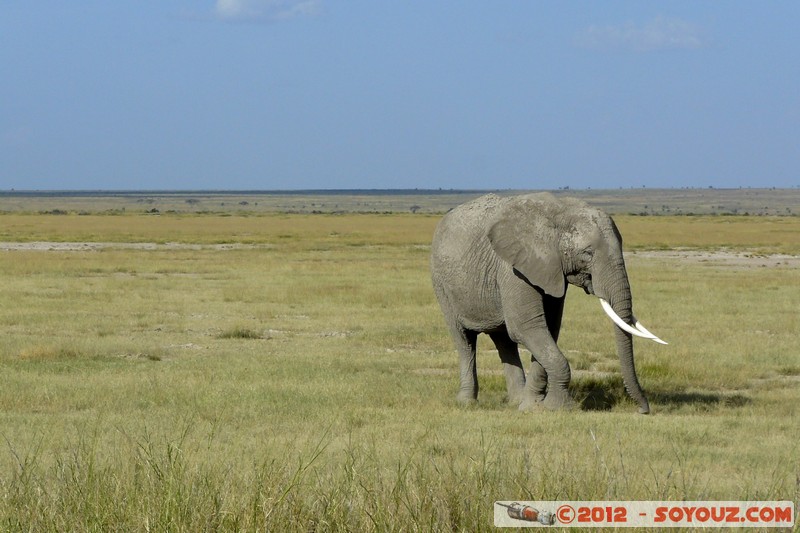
x=512, y=366
x=466, y=343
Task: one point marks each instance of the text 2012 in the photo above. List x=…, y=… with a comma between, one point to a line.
x=593, y=515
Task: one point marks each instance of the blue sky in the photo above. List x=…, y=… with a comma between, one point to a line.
x=290, y=94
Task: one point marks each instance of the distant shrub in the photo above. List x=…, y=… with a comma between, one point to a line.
x=239, y=332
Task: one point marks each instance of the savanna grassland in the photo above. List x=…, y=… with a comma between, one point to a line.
x=291, y=372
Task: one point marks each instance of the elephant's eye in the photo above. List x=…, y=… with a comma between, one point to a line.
x=585, y=256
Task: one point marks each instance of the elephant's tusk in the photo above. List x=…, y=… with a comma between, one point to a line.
x=621, y=323
x=625, y=326
x=638, y=325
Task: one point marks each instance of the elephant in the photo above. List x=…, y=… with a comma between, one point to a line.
x=500, y=266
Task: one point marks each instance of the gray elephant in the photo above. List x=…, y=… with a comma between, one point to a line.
x=500, y=266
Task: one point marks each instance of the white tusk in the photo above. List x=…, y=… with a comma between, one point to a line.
x=624, y=325
x=638, y=325
x=621, y=323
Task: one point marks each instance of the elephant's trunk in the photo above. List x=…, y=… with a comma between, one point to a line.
x=618, y=293
x=628, y=368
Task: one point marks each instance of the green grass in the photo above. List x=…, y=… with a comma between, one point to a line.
x=306, y=381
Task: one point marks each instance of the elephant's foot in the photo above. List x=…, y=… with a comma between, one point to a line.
x=531, y=404
x=531, y=397
x=514, y=401
x=516, y=397
x=515, y=385
x=467, y=397
x=559, y=400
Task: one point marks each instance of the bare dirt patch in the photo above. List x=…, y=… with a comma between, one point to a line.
x=47, y=246
x=723, y=258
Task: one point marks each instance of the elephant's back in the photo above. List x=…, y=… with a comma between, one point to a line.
x=466, y=222
x=476, y=210
x=460, y=237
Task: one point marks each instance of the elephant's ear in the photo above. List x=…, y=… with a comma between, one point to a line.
x=526, y=239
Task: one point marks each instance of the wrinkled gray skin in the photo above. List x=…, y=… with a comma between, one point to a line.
x=500, y=266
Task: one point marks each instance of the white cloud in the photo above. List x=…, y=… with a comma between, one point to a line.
x=659, y=34
x=265, y=10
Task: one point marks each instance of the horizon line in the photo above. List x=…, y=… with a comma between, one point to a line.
x=370, y=191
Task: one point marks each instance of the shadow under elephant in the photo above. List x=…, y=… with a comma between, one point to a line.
x=603, y=393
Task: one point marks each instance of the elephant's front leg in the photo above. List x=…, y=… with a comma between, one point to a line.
x=548, y=366
x=536, y=385
x=537, y=376
x=549, y=374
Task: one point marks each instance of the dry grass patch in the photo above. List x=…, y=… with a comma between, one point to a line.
x=47, y=352
x=309, y=382
x=755, y=234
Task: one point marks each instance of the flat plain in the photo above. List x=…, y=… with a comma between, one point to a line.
x=634, y=201
x=243, y=370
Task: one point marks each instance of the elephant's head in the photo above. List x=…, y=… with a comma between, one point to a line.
x=552, y=241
